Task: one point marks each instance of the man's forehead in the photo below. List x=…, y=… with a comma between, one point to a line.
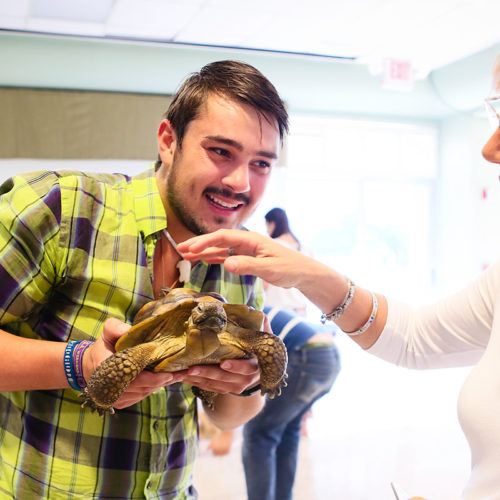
x=219, y=104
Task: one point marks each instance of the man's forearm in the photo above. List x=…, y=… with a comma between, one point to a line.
x=232, y=411
x=29, y=364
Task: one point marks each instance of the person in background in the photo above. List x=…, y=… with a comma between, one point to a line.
x=271, y=439
x=81, y=253
x=288, y=299
x=291, y=299
x=463, y=329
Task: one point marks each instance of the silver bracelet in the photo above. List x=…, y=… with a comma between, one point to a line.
x=371, y=319
x=338, y=311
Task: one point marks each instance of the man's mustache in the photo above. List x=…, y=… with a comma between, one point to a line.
x=227, y=193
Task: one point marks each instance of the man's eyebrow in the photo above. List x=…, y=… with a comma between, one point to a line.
x=237, y=145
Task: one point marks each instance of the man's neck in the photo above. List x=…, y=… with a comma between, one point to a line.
x=176, y=229
x=165, y=271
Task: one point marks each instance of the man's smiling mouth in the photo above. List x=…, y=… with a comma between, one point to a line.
x=224, y=205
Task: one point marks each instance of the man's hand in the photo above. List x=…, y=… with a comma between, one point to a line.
x=233, y=375
x=144, y=385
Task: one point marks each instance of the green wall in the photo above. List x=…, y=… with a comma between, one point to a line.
x=307, y=84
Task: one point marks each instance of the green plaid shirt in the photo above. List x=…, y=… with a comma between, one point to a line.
x=76, y=249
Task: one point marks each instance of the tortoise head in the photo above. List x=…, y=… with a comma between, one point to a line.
x=209, y=314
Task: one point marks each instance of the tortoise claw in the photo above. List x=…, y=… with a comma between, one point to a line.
x=93, y=407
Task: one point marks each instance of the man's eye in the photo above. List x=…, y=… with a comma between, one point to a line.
x=221, y=151
x=263, y=164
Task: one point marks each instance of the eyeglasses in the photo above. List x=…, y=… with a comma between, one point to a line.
x=493, y=110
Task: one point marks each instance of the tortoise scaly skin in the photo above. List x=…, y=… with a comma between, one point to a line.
x=181, y=329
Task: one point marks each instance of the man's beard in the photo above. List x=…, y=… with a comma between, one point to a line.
x=187, y=219
x=175, y=203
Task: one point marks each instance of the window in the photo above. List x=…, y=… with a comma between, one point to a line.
x=360, y=195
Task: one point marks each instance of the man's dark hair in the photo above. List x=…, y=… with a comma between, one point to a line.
x=234, y=80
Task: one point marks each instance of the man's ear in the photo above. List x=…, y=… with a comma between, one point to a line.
x=167, y=142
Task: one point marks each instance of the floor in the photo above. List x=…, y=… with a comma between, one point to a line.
x=379, y=424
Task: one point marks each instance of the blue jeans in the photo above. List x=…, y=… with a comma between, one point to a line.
x=271, y=439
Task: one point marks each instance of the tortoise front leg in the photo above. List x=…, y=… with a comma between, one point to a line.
x=272, y=357
x=112, y=377
x=208, y=397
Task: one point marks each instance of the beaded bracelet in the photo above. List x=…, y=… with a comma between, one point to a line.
x=69, y=369
x=77, y=362
x=339, y=310
x=73, y=369
x=370, y=319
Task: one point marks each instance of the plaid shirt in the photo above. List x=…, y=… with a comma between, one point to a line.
x=76, y=249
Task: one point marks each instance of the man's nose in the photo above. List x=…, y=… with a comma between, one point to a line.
x=238, y=179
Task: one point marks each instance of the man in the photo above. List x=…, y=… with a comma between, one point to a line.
x=77, y=249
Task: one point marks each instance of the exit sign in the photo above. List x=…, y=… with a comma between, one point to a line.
x=397, y=75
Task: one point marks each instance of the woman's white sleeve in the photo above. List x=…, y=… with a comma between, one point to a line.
x=452, y=332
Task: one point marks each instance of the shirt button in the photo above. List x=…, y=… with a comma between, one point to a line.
x=156, y=424
x=149, y=485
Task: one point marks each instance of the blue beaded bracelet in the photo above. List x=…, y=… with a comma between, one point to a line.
x=77, y=362
x=69, y=369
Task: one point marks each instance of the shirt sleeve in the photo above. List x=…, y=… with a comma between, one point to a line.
x=452, y=332
x=29, y=235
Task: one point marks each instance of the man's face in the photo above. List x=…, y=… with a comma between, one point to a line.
x=218, y=176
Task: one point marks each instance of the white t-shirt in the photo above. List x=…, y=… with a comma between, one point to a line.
x=290, y=299
x=461, y=330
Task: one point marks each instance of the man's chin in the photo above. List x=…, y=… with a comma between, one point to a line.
x=224, y=224
x=216, y=227
x=198, y=226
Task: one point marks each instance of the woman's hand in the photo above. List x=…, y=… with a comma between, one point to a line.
x=246, y=252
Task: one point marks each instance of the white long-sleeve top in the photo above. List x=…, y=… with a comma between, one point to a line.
x=461, y=330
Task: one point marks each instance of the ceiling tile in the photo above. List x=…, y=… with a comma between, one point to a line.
x=217, y=24
x=157, y=19
x=65, y=27
x=72, y=10
x=19, y=8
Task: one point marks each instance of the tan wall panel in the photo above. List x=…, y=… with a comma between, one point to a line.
x=79, y=124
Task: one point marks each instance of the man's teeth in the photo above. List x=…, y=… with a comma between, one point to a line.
x=224, y=204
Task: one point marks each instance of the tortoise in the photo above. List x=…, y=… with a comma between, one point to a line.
x=181, y=329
